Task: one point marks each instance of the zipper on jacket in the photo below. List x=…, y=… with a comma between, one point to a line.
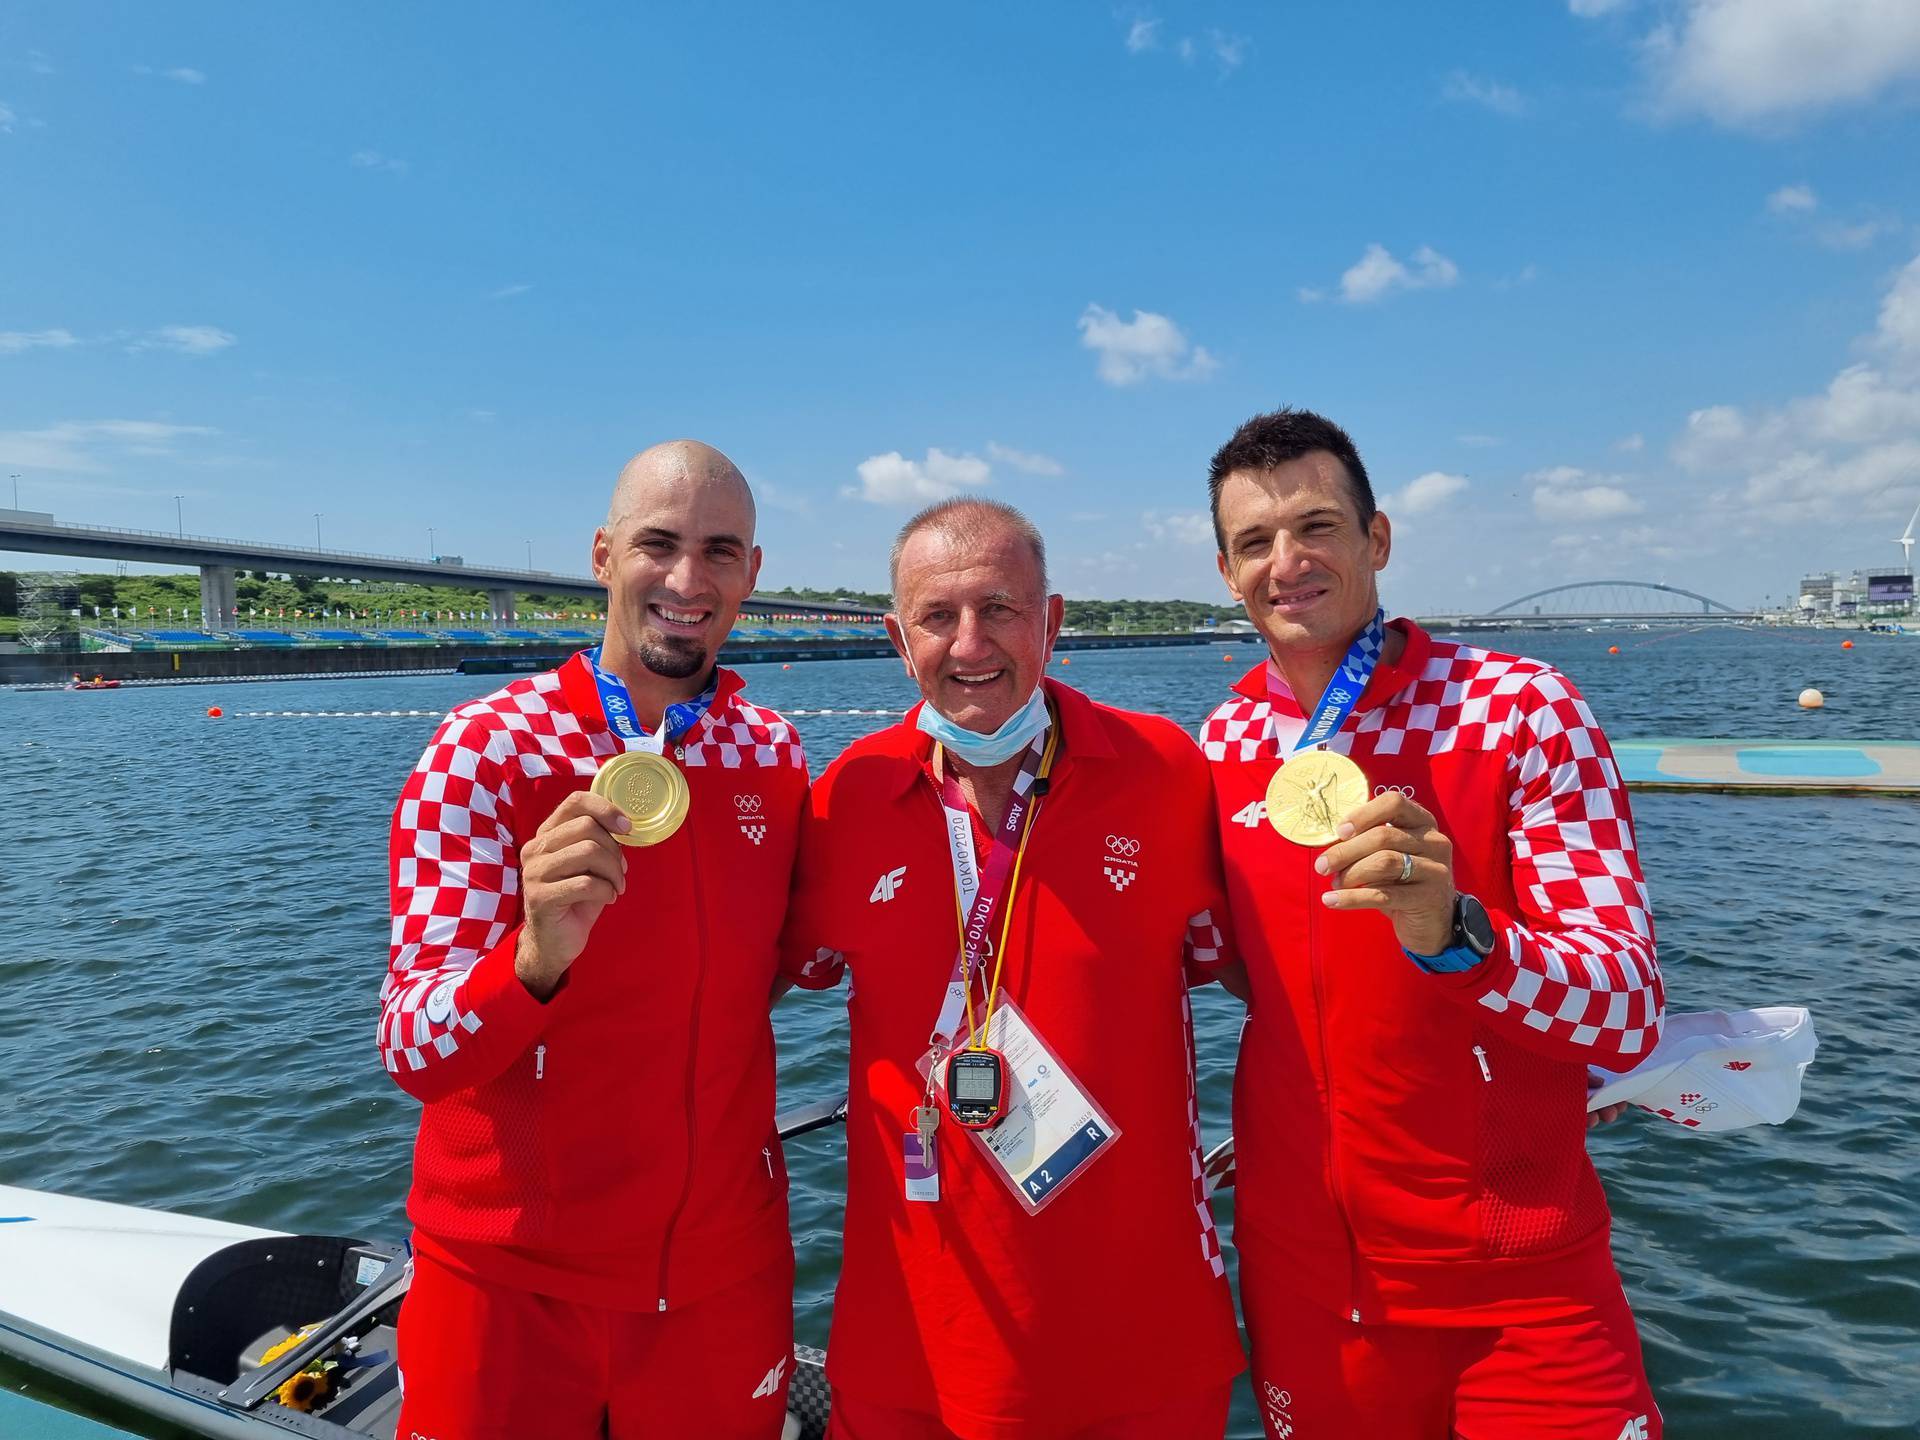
x=1486, y=1070
x=766, y=1154
x=1315, y=919
x=539, y=1062
x=693, y=1044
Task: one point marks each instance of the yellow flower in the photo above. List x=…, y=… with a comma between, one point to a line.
x=305, y=1390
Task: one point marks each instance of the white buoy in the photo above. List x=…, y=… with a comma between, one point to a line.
x=1811, y=699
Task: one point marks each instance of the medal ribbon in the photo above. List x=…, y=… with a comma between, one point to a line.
x=617, y=704
x=978, y=896
x=1343, y=691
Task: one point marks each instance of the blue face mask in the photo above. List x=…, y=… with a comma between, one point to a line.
x=1002, y=745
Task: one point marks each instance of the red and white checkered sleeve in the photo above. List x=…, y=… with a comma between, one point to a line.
x=452, y=1012
x=1574, y=972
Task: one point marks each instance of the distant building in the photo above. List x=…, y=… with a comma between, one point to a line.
x=1847, y=595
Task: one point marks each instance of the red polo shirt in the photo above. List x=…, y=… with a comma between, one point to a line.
x=1001, y=1322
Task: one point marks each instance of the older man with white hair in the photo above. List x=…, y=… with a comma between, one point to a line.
x=1023, y=884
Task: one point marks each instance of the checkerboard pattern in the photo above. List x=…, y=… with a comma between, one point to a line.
x=1578, y=966
x=1206, y=943
x=455, y=858
x=1209, y=1235
x=736, y=733
x=1119, y=875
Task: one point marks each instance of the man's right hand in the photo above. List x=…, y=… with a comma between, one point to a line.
x=571, y=870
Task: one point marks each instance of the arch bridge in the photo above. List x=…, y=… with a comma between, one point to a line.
x=1590, y=602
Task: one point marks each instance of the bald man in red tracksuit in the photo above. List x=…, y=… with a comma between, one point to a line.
x=599, y=1198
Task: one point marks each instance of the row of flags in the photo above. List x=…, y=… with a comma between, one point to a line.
x=182, y=612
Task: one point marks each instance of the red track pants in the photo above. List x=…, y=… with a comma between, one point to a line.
x=1201, y=1417
x=1317, y=1376
x=480, y=1362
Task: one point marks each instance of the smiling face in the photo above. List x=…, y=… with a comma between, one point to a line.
x=1297, y=555
x=677, y=557
x=973, y=620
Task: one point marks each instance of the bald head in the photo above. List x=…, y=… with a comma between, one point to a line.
x=678, y=470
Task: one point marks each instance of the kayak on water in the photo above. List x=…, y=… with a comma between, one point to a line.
x=238, y=1333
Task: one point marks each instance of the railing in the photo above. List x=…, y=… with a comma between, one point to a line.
x=182, y=540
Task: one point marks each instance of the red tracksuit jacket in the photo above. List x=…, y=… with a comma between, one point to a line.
x=614, y=1145
x=1411, y=1146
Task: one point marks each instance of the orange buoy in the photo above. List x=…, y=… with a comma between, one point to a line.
x=1846, y=644
x=1226, y=659
x=214, y=712
x=1613, y=649
x=786, y=667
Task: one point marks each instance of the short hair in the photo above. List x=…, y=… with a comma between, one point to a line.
x=963, y=513
x=1271, y=440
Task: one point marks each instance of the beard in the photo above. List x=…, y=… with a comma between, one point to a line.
x=672, y=658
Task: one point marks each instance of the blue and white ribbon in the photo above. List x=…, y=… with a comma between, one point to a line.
x=617, y=704
x=1344, y=690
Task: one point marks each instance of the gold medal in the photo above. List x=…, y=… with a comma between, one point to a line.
x=1311, y=794
x=650, y=791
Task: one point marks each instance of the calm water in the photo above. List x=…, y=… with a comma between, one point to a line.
x=195, y=931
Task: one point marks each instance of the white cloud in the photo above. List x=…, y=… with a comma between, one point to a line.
x=1143, y=35
x=1377, y=274
x=507, y=292
x=1424, y=493
x=1184, y=527
x=7, y=117
x=186, y=75
x=1793, y=199
x=1837, y=235
x=193, y=340
x=892, y=479
x=1756, y=63
x=1631, y=444
x=85, y=446
x=1899, y=327
x=1032, y=462
x=1229, y=51
x=12, y=342
x=1566, y=493
x=1492, y=94
x=1185, y=49
x=1147, y=345
x=374, y=160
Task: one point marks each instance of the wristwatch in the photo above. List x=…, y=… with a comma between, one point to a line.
x=1471, y=942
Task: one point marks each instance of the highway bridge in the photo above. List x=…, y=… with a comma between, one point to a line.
x=38, y=533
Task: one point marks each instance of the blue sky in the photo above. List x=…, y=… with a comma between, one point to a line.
x=1609, y=288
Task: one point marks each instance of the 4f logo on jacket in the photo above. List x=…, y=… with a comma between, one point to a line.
x=1636, y=1429
x=771, y=1385
x=887, y=886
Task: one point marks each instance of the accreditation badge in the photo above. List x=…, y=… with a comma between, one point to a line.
x=1054, y=1130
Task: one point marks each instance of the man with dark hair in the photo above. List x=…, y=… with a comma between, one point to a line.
x=1433, y=881
x=1269, y=441
x=1042, y=1265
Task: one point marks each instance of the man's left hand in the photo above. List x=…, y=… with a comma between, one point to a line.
x=1366, y=866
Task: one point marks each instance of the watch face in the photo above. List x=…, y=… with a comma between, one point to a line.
x=1477, y=927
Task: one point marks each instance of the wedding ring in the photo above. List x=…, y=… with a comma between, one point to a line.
x=1406, y=867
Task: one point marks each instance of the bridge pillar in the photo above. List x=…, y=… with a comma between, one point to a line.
x=216, y=594
x=500, y=602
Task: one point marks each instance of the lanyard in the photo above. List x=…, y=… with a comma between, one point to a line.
x=979, y=895
x=680, y=717
x=1343, y=690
